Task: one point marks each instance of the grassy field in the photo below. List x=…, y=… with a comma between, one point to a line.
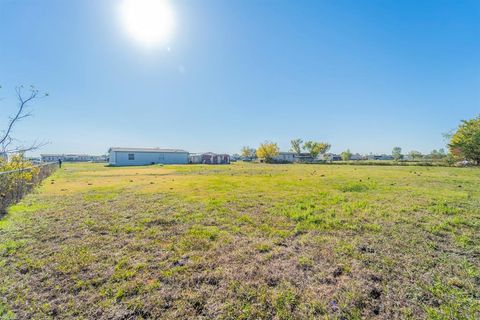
x=245, y=241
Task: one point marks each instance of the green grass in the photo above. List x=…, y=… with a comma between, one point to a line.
x=245, y=241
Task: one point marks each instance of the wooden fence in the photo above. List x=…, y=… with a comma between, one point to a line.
x=16, y=183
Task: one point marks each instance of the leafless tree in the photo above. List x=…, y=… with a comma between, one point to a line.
x=8, y=144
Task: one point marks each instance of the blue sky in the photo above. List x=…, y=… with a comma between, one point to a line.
x=364, y=75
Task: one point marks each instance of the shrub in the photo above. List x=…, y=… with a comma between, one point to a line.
x=18, y=177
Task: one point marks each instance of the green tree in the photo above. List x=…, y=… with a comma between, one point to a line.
x=437, y=154
x=415, y=155
x=267, y=151
x=397, y=153
x=316, y=148
x=465, y=142
x=296, y=145
x=346, y=155
x=248, y=152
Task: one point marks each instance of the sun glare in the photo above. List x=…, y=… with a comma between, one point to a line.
x=150, y=22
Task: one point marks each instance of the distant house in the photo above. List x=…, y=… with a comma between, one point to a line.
x=145, y=156
x=356, y=156
x=305, y=157
x=70, y=157
x=34, y=160
x=332, y=157
x=285, y=157
x=208, y=158
x=380, y=157
x=290, y=157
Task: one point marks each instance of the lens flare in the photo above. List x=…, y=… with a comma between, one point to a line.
x=150, y=22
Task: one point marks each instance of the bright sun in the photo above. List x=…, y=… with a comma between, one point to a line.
x=150, y=22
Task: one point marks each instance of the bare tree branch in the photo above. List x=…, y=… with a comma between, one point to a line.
x=6, y=143
x=22, y=149
x=22, y=112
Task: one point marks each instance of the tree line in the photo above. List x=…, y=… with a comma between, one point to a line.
x=463, y=147
x=267, y=151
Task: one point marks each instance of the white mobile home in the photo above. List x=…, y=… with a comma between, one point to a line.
x=146, y=156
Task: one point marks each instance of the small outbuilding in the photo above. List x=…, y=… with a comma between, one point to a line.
x=145, y=156
x=209, y=158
